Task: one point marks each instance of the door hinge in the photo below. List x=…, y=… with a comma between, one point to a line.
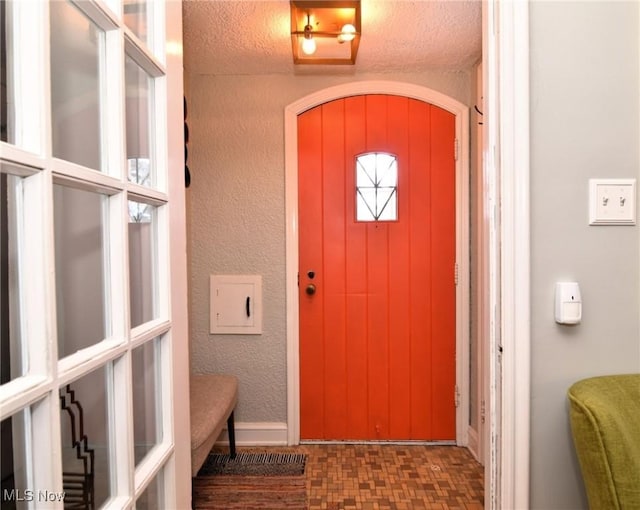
x=482, y=411
x=456, y=397
x=455, y=273
x=456, y=148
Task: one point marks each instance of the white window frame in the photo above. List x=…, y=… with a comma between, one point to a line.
x=37, y=391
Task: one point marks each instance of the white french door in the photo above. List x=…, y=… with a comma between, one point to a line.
x=93, y=322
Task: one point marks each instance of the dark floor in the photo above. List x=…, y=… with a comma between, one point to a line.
x=386, y=476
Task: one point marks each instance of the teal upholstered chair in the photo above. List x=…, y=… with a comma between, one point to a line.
x=605, y=423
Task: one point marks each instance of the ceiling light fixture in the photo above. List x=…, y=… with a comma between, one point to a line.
x=325, y=31
x=348, y=33
x=308, y=44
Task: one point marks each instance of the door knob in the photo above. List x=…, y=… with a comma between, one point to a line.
x=311, y=289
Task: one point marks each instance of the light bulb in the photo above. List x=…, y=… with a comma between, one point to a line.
x=348, y=33
x=308, y=46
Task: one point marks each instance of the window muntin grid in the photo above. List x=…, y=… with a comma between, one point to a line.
x=34, y=146
x=376, y=187
x=153, y=496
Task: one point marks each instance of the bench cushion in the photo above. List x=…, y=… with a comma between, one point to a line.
x=213, y=398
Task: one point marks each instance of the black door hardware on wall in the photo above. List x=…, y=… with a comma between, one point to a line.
x=187, y=174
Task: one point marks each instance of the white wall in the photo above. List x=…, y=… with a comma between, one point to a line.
x=237, y=216
x=585, y=123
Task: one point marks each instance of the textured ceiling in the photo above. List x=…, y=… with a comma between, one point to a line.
x=246, y=37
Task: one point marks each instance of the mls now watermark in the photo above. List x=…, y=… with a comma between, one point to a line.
x=31, y=495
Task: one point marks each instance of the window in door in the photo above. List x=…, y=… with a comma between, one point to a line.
x=376, y=187
x=147, y=425
x=78, y=62
x=13, y=358
x=81, y=254
x=138, y=109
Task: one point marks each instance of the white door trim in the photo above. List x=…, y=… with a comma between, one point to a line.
x=461, y=113
x=506, y=167
x=513, y=71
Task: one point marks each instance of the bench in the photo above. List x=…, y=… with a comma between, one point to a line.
x=213, y=399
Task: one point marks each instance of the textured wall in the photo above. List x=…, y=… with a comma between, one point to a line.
x=584, y=124
x=237, y=216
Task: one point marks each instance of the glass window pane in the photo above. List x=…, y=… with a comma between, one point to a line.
x=389, y=205
x=13, y=359
x=138, y=103
x=77, y=47
x=136, y=16
x=152, y=497
x=376, y=187
x=7, y=126
x=80, y=249
x=362, y=176
x=388, y=172
x=365, y=205
x=142, y=254
x=146, y=420
x=139, y=171
x=85, y=441
x=13, y=469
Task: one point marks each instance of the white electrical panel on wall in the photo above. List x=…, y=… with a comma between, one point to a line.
x=236, y=304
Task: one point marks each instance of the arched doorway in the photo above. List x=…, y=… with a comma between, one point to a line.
x=460, y=112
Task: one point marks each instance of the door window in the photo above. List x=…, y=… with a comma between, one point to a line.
x=77, y=61
x=84, y=436
x=138, y=110
x=136, y=14
x=142, y=262
x=147, y=427
x=13, y=358
x=80, y=236
x=376, y=187
x=152, y=498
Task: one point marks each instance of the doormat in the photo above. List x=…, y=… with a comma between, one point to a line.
x=254, y=464
x=250, y=492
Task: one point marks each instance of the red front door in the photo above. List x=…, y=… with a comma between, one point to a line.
x=377, y=335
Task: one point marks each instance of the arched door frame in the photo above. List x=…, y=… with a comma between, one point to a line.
x=461, y=113
x=505, y=35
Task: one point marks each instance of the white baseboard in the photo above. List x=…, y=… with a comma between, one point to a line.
x=473, y=444
x=257, y=434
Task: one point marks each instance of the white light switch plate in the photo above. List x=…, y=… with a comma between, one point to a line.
x=612, y=201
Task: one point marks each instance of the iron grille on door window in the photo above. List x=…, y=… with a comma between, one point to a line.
x=376, y=187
